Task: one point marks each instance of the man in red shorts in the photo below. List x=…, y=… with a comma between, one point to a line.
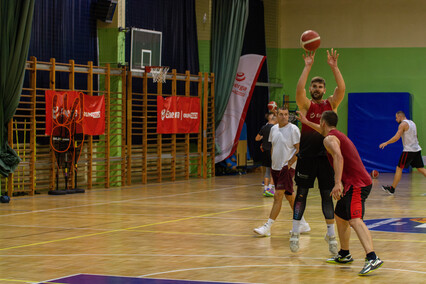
x=352, y=185
x=284, y=138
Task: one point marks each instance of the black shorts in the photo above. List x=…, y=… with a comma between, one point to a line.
x=413, y=159
x=351, y=205
x=266, y=158
x=308, y=169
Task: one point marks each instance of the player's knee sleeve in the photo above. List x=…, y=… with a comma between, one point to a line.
x=327, y=204
x=267, y=172
x=300, y=203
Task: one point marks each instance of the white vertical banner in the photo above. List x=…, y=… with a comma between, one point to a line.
x=229, y=129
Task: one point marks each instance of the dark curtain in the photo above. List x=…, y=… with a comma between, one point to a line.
x=229, y=18
x=15, y=25
x=254, y=42
x=177, y=21
x=64, y=30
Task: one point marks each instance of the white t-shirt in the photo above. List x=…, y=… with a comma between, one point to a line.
x=409, y=138
x=283, y=140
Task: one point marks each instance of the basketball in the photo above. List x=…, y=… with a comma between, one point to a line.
x=310, y=40
x=374, y=174
x=272, y=106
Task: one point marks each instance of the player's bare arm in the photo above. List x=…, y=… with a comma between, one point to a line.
x=302, y=100
x=302, y=118
x=258, y=137
x=339, y=92
x=294, y=158
x=403, y=126
x=332, y=145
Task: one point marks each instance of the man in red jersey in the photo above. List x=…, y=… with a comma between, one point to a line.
x=312, y=159
x=352, y=185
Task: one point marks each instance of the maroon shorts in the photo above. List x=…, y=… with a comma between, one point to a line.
x=283, y=179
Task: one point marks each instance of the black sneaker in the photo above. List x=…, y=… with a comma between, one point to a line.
x=341, y=259
x=389, y=189
x=370, y=265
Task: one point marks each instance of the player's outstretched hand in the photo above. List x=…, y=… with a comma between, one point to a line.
x=301, y=117
x=309, y=58
x=332, y=56
x=383, y=145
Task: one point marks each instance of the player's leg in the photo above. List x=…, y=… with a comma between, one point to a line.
x=418, y=163
x=326, y=183
x=404, y=160
x=291, y=196
x=265, y=229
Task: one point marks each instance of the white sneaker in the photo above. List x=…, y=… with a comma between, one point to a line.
x=332, y=244
x=294, y=242
x=264, y=230
x=304, y=228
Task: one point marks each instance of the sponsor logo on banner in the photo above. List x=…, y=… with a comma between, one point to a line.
x=61, y=103
x=398, y=225
x=229, y=128
x=178, y=115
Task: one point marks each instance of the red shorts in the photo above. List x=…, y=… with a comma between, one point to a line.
x=283, y=179
x=352, y=204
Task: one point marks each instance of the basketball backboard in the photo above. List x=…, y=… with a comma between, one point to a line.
x=145, y=49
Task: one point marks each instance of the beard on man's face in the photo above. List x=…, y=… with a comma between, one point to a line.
x=317, y=95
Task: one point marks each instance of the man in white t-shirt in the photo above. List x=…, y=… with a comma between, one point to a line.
x=411, y=154
x=285, y=139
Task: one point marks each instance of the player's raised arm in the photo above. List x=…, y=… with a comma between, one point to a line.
x=301, y=100
x=403, y=126
x=339, y=92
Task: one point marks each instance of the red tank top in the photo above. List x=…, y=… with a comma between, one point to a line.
x=311, y=141
x=354, y=172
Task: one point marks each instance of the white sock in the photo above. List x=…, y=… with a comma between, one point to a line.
x=303, y=221
x=296, y=224
x=270, y=222
x=330, y=230
x=266, y=187
x=271, y=185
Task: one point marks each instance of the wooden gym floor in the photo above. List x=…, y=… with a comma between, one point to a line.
x=201, y=231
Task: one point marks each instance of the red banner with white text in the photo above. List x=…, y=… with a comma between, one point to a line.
x=178, y=115
x=88, y=111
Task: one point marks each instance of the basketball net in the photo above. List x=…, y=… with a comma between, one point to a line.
x=158, y=73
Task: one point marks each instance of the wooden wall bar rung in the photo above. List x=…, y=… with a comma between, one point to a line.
x=140, y=155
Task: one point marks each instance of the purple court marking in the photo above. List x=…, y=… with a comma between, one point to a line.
x=104, y=279
x=398, y=225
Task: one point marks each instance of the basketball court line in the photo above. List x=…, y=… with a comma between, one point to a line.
x=126, y=200
x=195, y=255
x=130, y=228
x=278, y=265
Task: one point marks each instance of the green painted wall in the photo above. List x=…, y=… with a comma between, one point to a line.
x=112, y=51
x=204, y=55
x=364, y=70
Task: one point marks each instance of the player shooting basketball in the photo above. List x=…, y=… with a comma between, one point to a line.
x=312, y=162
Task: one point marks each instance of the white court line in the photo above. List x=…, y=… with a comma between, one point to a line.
x=192, y=255
x=127, y=200
x=273, y=265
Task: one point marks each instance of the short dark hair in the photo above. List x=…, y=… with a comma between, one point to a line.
x=318, y=79
x=330, y=118
x=269, y=114
x=400, y=112
x=283, y=108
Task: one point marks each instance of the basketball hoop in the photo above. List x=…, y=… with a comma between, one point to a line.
x=159, y=73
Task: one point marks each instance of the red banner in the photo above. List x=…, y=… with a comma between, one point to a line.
x=60, y=105
x=178, y=115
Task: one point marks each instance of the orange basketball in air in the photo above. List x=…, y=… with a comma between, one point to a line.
x=310, y=40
